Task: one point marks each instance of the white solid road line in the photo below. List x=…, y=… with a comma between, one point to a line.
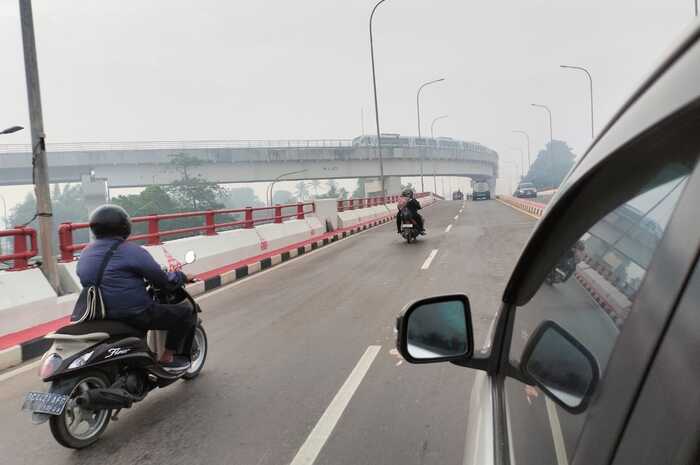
x=429, y=260
x=557, y=436
x=17, y=371
x=309, y=451
x=456, y=216
x=447, y=229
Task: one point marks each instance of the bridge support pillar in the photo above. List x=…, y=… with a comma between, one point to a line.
x=492, y=186
x=95, y=192
x=392, y=184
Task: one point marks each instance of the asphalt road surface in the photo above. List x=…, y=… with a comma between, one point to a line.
x=302, y=366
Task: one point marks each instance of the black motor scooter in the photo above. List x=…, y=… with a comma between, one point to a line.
x=96, y=367
x=409, y=226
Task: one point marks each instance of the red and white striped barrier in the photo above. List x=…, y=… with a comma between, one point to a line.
x=535, y=209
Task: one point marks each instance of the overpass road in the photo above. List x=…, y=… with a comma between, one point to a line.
x=283, y=342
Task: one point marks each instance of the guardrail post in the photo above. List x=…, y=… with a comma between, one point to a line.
x=300, y=211
x=278, y=213
x=341, y=205
x=154, y=239
x=210, y=221
x=248, y=218
x=65, y=242
x=351, y=206
x=361, y=203
x=20, y=246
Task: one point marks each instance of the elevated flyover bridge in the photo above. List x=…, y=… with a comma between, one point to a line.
x=136, y=164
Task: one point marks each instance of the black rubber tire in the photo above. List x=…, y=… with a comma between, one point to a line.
x=59, y=430
x=195, y=373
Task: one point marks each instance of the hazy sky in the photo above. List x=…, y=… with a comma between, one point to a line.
x=176, y=69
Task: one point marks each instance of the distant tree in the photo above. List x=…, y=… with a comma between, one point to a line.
x=68, y=206
x=333, y=192
x=551, y=165
x=332, y=184
x=283, y=197
x=315, y=184
x=153, y=200
x=359, y=191
x=193, y=192
x=241, y=197
x=302, y=191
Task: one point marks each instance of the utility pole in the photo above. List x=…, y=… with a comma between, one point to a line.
x=376, y=100
x=40, y=171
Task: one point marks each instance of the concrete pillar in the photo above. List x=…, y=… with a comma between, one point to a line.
x=327, y=212
x=95, y=192
x=492, y=186
x=392, y=185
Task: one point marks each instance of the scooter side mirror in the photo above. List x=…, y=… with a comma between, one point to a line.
x=190, y=257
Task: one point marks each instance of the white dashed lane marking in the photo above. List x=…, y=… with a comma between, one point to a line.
x=429, y=260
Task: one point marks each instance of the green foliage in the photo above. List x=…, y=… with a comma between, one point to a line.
x=193, y=192
x=302, y=191
x=242, y=197
x=551, y=165
x=283, y=197
x=67, y=205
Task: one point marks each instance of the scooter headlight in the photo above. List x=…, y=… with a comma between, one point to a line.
x=80, y=361
x=50, y=365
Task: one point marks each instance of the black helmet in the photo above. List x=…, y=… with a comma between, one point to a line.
x=110, y=221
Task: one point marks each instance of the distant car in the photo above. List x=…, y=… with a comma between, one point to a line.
x=481, y=191
x=526, y=190
x=601, y=369
x=457, y=195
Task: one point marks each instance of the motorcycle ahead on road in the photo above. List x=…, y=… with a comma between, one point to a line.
x=99, y=366
x=409, y=226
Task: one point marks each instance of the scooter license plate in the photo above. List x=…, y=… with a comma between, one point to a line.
x=406, y=226
x=45, y=402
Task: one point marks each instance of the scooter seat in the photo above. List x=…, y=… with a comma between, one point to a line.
x=110, y=327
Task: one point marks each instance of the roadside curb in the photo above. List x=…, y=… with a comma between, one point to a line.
x=30, y=342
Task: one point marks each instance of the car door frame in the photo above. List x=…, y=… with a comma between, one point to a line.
x=668, y=103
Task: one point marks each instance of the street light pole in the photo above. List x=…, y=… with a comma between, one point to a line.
x=376, y=104
x=590, y=82
x=549, y=112
x=272, y=184
x=420, y=88
x=527, y=137
x=522, y=161
x=40, y=167
x=432, y=136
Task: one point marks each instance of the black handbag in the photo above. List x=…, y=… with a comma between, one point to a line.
x=90, y=305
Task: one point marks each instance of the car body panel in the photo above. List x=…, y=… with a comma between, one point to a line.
x=479, y=444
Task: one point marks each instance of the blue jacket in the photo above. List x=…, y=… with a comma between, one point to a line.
x=123, y=286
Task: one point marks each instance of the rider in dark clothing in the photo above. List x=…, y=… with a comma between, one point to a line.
x=413, y=206
x=123, y=285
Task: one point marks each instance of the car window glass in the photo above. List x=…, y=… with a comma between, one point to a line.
x=590, y=293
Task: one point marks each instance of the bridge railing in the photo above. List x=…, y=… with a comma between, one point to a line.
x=181, y=145
x=24, y=247
x=364, y=202
x=156, y=232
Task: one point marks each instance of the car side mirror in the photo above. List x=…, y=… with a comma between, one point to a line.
x=436, y=329
x=561, y=366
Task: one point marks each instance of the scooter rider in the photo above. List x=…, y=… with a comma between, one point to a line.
x=413, y=206
x=124, y=290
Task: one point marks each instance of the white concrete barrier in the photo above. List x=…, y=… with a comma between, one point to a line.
x=26, y=299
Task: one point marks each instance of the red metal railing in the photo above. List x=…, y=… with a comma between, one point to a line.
x=68, y=247
x=353, y=204
x=21, y=254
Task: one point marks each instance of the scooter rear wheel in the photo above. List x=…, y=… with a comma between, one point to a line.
x=77, y=427
x=199, y=352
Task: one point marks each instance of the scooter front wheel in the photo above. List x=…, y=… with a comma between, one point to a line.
x=77, y=427
x=199, y=352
